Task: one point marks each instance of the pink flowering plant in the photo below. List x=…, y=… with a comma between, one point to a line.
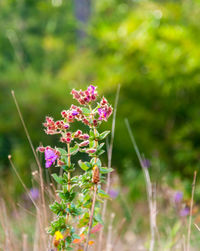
x=77, y=205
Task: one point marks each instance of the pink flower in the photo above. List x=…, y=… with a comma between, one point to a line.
x=91, y=150
x=184, y=212
x=91, y=89
x=84, y=136
x=104, y=113
x=178, y=197
x=50, y=157
x=84, y=143
x=41, y=149
x=74, y=113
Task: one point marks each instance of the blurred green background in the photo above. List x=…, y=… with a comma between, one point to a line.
x=150, y=48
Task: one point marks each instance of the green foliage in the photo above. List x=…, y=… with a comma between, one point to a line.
x=150, y=48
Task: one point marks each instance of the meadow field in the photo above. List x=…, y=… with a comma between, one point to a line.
x=99, y=125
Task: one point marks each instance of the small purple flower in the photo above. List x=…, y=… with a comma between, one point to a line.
x=113, y=193
x=91, y=150
x=84, y=143
x=66, y=126
x=91, y=89
x=102, y=114
x=178, y=197
x=34, y=193
x=146, y=163
x=74, y=113
x=50, y=157
x=85, y=136
x=184, y=212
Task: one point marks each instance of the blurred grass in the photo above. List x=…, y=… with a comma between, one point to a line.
x=150, y=47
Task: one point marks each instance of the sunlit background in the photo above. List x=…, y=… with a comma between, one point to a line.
x=150, y=48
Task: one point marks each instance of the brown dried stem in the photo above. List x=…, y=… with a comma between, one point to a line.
x=149, y=189
x=109, y=166
x=35, y=155
x=94, y=194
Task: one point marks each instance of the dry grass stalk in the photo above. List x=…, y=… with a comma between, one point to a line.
x=10, y=242
x=119, y=232
x=91, y=217
x=20, y=179
x=42, y=235
x=190, y=217
x=109, y=238
x=35, y=155
x=24, y=242
x=109, y=166
x=149, y=189
x=198, y=228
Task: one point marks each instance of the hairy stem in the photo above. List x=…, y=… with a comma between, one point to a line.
x=95, y=191
x=68, y=174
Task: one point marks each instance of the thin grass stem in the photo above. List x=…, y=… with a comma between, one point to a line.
x=35, y=155
x=190, y=217
x=150, y=197
x=110, y=148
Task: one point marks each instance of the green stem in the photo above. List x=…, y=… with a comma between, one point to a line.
x=68, y=183
x=95, y=191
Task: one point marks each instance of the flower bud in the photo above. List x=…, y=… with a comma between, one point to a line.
x=41, y=149
x=84, y=143
x=91, y=150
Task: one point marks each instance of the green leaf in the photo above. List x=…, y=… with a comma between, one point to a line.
x=100, y=152
x=95, y=161
x=65, y=188
x=97, y=134
x=84, y=220
x=103, y=194
x=69, y=249
x=68, y=240
x=91, y=134
x=74, y=179
x=64, y=159
x=105, y=170
x=69, y=168
x=74, y=149
x=92, y=143
x=100, y=146
x=58, y=209
x=62, y=151
x=103, y=135
x=67, y=196
x=76, y=236
x=57, y=178
x=85, y=111
x=84, y=165
x=98, y=218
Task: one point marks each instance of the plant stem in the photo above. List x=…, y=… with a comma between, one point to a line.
x=35, y=155
x=109, y=166
x=191, y=206
x=68, y=175
x=95, y=191
x=91, y=217
x=69, y=163
x=149, y=189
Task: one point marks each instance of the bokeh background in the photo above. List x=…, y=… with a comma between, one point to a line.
x=150, y=48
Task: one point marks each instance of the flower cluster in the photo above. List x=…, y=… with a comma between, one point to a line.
x=105, y=110
x=85, y=97
x=75, y=217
